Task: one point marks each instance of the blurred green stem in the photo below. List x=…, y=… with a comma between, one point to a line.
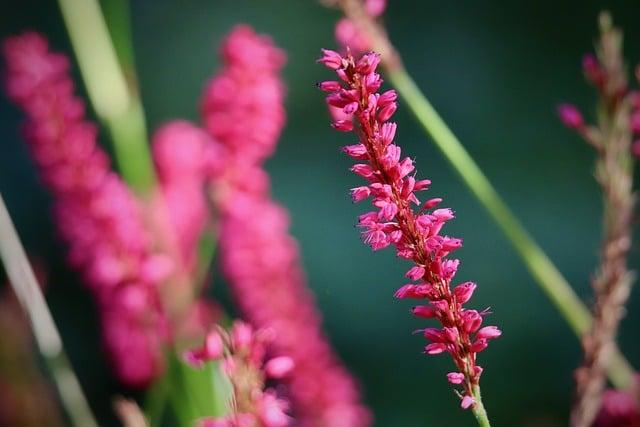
x=539, y=265
x=156, y=400
x=113, y=96
x=478, y=409
x=25, y=285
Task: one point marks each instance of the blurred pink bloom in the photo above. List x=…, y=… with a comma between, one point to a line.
x=96, y=213
x=619, y=409
x=570, y=116
x=180, y=154
x=415, y=233
x=243, y=109
x=243, y=353
x=243, y=105
x=349, y=36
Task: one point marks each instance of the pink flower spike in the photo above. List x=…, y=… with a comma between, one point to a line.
x=635, y=148
x=455, y=377
x=570, y=116
x=467, y=402
x=279, y=367
x=413, y=230
x=489, y=333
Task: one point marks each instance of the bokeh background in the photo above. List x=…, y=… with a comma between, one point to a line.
x=495, y=71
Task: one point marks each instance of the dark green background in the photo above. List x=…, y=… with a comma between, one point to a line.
x=495, y=71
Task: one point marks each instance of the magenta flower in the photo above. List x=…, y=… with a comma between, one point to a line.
x=570, y=116
x=243, y=109
x=96, y=214
x=415, y=232
x=242, y=352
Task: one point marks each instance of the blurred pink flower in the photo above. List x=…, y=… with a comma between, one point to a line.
x=619, y=409
x=243, y=109
x=96, y=213
x=350, y=37
x=243, y=353
x=179, y=152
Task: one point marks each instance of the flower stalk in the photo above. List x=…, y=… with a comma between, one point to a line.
x=358, y=106
x=618, y=120
x=542, y=269
x=113, y=96
x=26, y=288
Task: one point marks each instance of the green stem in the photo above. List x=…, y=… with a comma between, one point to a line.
x=47, y=337
x=115, y=102
x=156, y=401
x=539, y=265
x=478, y=409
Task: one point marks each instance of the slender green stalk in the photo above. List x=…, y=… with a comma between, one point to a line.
x=46, y=334
x=555, y=286
x=155, y=401
x=115, y=102
x=478, y=409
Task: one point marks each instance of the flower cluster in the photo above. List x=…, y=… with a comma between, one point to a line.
x=96, y=213
x=415, y=233
x=179, y=153
x=243, y=110
x=347, y=34
x=243, y=106
x=243, y=352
